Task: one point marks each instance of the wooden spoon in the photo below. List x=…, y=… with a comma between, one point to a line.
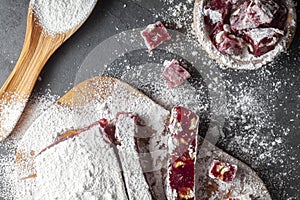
x=100, y=89
x=37, y=49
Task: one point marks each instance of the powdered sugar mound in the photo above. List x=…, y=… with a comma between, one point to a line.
x=88, y=161
x=59, y=16
x=59, y=119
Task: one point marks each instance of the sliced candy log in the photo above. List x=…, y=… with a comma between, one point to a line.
x=175, y=74
x=226, y=42
x=183, y=130
x=154, y=35
x=262, y=40
x=224, y=172
x=252, y=14
x=135, y=181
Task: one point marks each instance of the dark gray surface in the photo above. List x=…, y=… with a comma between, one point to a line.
x=109, y=18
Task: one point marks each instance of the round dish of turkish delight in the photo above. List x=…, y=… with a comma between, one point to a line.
x=244, y=34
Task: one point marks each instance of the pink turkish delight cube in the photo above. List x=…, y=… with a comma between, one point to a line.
x=174, y=73
x=154, y=35
x=226, y=42
x=262, y=40
x=222, y=171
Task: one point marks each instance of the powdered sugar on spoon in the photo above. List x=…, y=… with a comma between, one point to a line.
x=49, y=24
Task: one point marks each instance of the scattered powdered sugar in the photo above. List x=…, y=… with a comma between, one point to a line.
x=245, y=119
x=179, y=14
x=59, y=16
x=148, y=78
x=253, y=133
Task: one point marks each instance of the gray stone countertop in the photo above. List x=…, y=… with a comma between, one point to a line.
x=111, y=17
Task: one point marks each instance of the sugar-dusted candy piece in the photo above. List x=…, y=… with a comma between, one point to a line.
x=226, y=42
x=222, y=171
x=174, y=73
x=262, y=40
x=154, y=35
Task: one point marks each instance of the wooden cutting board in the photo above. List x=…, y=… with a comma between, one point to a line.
x=98, y=90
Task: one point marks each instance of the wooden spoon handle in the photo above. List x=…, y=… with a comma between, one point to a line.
x=37, y=49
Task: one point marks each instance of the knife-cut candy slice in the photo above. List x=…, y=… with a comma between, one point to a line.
x=135, y=181
x=183, y=130
x=154, y=35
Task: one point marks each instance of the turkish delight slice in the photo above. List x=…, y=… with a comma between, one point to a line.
x=135, y=181
x=222, y=171
x=174, y=73
x=183, y=130
x=154, y=35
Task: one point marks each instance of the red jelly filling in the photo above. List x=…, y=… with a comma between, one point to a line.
x=229, y=23
x=223, y=171
x=109, y=131
x=183, y=129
